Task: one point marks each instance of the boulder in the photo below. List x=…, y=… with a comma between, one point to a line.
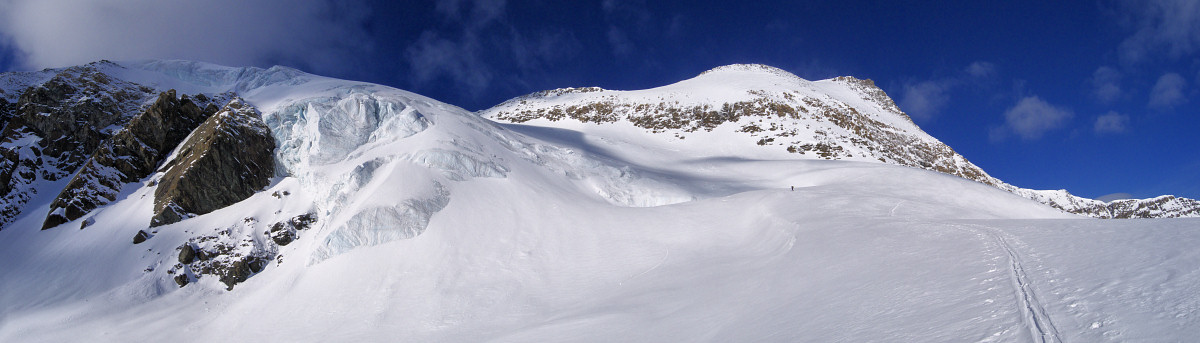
x=187, y=254
x=141, y=236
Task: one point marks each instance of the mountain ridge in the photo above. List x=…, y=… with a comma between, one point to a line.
x=730, y=94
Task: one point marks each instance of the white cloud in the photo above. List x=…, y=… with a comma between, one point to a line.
x=981, y=69
x=432, y=56
x=925, y=99
x=475, y=42
x=320, y=35
x=621, y=45
x=1106, y=84
x=1170, y=27
x=631, y=25
x=478, y=13
x=1111, y=122
x=1168, y=92
x=1114, y=196
x=1032, y=117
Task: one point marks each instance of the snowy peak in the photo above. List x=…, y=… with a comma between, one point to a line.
x=751, y=110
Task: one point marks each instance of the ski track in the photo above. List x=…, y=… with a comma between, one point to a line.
x=1036, y=320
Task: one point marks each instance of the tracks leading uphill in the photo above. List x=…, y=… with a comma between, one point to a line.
x=1033, y=313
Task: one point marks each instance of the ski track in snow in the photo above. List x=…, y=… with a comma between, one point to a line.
x=666, y=255
x=1036, y=320
x=892, y=213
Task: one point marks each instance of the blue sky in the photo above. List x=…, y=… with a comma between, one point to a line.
x=1097, y=97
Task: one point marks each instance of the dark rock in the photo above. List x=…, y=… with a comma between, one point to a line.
x=239, y=271
x=128, y=156
x=141, y=236
x=282, y=233
x=182, y=279
x=187, y=254
x=303, y=221
x=6, y=111
x=285, y=232
x=226, y=160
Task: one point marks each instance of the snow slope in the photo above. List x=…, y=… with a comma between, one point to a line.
x=435, y=224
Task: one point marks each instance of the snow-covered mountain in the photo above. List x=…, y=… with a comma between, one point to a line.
x=157, y=200
x=731, y=109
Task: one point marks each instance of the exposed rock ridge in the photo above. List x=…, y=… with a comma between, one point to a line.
x=130, y=155
x=226, y=159
x=55, y=125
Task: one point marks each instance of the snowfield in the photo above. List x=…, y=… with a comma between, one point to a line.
x=435, y=224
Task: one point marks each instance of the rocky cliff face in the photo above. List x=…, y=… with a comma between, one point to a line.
x=225, y=160
x=56, y=124
x=130, y=155
x=840, y=118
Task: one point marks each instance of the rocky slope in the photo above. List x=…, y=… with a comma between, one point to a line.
x=60, y=117
x=789, y=117
x=130, y=155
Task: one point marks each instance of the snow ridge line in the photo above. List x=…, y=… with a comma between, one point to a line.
x=1041, y=328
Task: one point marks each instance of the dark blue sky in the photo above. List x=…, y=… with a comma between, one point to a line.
x=1096, y=97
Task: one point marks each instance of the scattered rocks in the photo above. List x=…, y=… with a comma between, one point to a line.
x=231, y=255
x=234, y=254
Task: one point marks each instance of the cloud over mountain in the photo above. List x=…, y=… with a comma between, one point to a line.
x=313, y=34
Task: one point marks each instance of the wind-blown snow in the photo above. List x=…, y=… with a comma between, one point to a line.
x=437, y=225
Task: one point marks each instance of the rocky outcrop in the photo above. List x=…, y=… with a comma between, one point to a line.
x=130, y=155
x=225, y=160
x=54, y=126
x=76, y=110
